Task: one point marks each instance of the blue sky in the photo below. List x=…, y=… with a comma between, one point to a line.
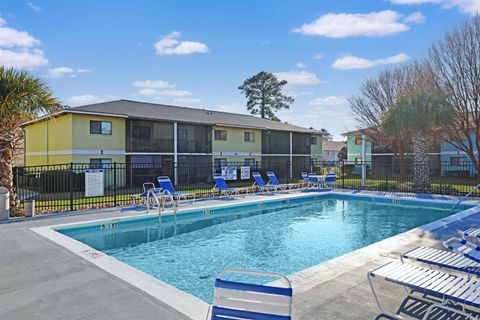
x=196, y=53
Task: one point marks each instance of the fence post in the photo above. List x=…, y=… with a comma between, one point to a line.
x=343, y=174
x=71, y=186
x=115, y=184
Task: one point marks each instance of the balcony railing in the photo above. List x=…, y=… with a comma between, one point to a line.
x=151, y=145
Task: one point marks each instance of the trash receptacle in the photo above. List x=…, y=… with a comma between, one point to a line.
x=4, y=204
x=29, y=208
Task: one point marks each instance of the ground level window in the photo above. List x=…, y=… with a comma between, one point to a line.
x=219, y=163
x=220, y=134
x=250, y=162
x=458, y=161
x=313, y=140
x=358, y=160
x=100, y=163
x=100, y=127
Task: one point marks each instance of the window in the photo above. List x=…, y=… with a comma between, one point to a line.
x=458, y=161
x=100, y=127
x=250, y=162
x=358, y=160
x=100, y=163
x=219, y=163
x=220, y=135
x=313, y=140
x=358, y=141
x=249, y=136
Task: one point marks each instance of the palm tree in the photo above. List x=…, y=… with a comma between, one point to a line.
x=418, y=113
x=22, y=97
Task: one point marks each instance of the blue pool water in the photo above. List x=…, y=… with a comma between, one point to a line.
x=284, y=237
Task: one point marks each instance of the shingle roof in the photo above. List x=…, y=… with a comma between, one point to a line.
x=333, y=145
x=153, y=111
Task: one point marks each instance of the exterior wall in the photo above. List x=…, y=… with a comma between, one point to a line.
x=447, y=152
x=49, y=142
x=316, y=149
x=330, y=155
x=355, y=151
x=235, y=149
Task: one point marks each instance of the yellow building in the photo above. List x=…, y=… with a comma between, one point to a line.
x=132, y=132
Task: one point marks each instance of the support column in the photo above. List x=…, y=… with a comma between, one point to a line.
x=291, y=155
x=364, y=159
x=175, y=154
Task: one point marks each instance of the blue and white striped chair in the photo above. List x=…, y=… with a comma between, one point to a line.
x=247, y=301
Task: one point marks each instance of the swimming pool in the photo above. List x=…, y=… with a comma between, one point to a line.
x=278, y=236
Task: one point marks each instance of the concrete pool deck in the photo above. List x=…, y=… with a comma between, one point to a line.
x=40, y=279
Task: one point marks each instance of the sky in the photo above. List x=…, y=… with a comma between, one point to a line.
x=197, y=53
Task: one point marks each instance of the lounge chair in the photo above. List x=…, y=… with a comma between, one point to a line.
x=260, y=183
x=330, y=180
x=306, y=181
x=442, y=259
x=463, y=247
x=473, y=232
x=241, y=300
x=274, y=181
x=167, y=185
x=221, y=185
x=428, y=282
x=316, y=181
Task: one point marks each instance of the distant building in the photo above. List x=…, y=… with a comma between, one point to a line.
x=331, y=149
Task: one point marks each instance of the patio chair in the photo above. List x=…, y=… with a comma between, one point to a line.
x=428, y=282
x=260, y=183
x=274, y=181
x=306, y=181
x=167, y=186
x=463, y=247
x=222, y=187
x=242, y=300
x=316, y=181
x=330, y=180
x=442, y=259
x=473, y=232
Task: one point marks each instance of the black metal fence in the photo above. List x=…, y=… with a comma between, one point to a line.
x=63, y=187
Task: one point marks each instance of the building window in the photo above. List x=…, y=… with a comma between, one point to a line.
x=219, y=163
x=100, y=127
x=250, y=162
x=358, y=141
x=100, y=163
x=220, y=135
x=249, y=136
x=313, y=140
x=458, y=161
x=358, y=160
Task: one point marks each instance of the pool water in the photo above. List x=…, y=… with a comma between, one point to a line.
x=283, y=237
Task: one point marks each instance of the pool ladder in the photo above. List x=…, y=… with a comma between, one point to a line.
x=151, y=194
x=466, y=196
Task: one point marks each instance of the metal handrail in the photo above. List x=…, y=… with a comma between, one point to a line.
x=167, y=194
x=466, y=196
x=151, y=193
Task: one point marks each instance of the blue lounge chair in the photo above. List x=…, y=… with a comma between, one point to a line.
x=463, y=247
x=274, y=181
x=330, y=180
x=260, y=183
x=428, y=282
x=306, y=181
x=149, y=187
x=221, y=185
x=241, y=300
x=167, y=187
x=473, y=232
x=316, y=181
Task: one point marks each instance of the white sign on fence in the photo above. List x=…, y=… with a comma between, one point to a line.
x=229, y=173
x=245, y=172
x=94, y=183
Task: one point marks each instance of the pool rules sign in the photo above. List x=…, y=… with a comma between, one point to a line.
x=94, y=183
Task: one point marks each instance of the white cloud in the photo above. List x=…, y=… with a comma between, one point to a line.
x=186, y=100
x=170, y=45
x=154, y=84
x=329, y=101
x=351, y=62
x=13, y=38
x=342, y=25
x=60, y=72
x=164, y=93
x=23, y=59
x=2, y=22
x=318, y=56
x=300, y=65
x=416, y=17
x=466, y=6
x=296, y=78
x=88, y=99
x=33, y=7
